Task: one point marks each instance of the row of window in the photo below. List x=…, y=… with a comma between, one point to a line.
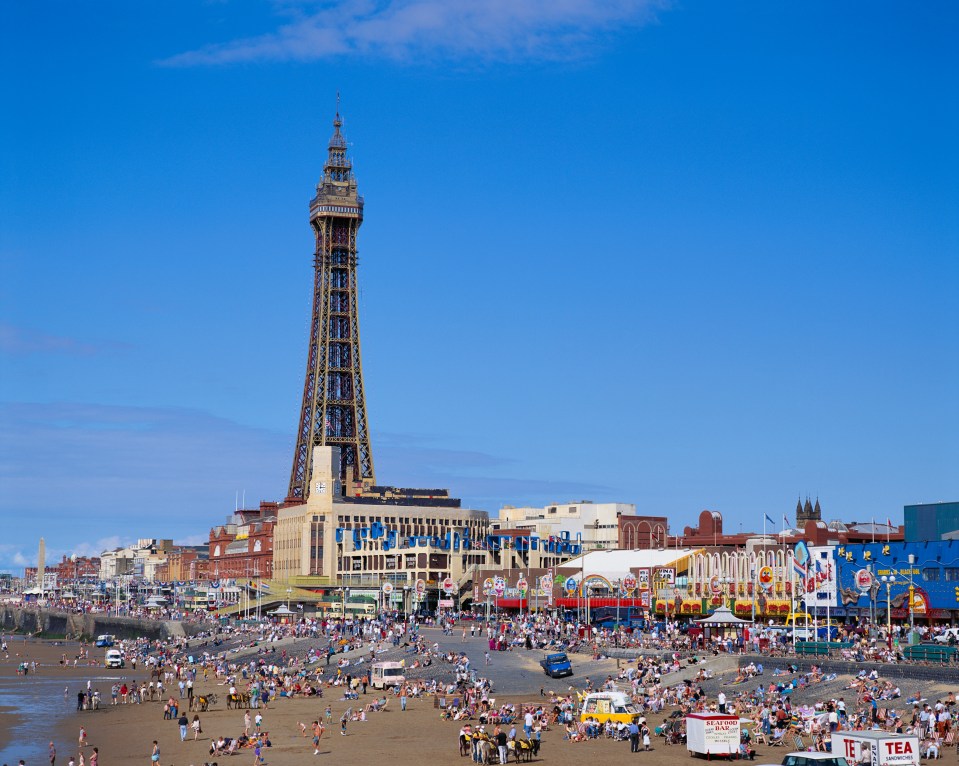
x=932, y=574
x=361, y=520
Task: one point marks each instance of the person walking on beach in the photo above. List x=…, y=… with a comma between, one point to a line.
x=318, y=730
x=258, y=722
x=247, y=723
x=82, y=739
x=343, y=724
x=196, y=727
x=183, y=722
x=53, y=755
x=95, y=757
x=155, y=755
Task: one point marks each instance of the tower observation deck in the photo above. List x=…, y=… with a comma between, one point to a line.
x=333, y=411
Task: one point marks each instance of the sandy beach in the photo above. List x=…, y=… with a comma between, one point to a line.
x=124, y=733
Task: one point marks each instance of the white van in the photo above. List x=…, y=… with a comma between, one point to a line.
x=949, y=634
x=387, y=674
x=114, y=658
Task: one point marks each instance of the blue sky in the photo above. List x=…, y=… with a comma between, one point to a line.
x=685, y=255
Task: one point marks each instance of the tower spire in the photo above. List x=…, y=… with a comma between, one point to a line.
x=338, y=167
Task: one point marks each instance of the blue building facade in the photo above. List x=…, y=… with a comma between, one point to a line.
x=934, y=574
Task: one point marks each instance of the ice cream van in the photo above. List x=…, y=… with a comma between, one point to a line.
x=609, y=706
x=387, y=674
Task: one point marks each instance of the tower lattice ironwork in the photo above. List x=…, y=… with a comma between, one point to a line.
x=334, y=405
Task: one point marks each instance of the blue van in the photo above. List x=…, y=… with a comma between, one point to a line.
x=556, y=665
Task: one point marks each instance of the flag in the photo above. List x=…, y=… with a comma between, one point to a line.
x=785, y=522
x=770, y=520
x=800, y=568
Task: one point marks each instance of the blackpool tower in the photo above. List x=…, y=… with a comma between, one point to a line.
x=333, y=412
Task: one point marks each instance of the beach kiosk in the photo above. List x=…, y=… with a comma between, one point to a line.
x=876, y=748
x=712, y=734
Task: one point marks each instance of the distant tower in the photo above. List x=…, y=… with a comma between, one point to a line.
x=806, y=512
x=334, y=407
x=41, y=564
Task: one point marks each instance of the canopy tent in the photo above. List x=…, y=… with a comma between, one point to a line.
x=722, y=616
x=283, y=611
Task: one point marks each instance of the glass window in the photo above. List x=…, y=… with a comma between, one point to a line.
x=930, y=574
x=951, y=573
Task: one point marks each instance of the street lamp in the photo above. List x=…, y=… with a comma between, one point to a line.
x=619, y=590
x=889, y=580
x=912, y=592
x=288, y=592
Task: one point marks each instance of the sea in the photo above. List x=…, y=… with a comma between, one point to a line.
x=41, y=704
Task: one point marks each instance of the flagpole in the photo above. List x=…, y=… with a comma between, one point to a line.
x=874, y=529
x=792, y=605
x=828, y=600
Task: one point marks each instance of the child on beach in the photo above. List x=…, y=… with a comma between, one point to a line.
x=318, y=730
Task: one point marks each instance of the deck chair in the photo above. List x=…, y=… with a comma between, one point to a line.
x=777, y=740
x=758, y=737
x=800, y=745
x=950, y=739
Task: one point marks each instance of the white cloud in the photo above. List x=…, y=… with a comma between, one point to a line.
x=24, y=341
x=98, y=547
x=414, y=30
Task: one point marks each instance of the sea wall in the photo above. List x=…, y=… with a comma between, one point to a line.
x=46, y=622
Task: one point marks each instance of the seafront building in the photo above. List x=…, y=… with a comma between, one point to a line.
x=594, y=525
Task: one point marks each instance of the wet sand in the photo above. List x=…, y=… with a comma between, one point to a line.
x=39, y=696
